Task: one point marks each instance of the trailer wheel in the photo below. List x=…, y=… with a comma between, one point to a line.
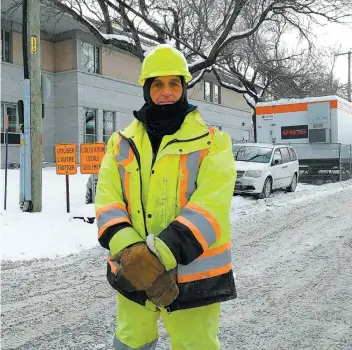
x=267, y=188
x=293, y=186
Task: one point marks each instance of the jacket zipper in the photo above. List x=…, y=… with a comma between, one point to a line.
x=189, y=140
x=136, y=153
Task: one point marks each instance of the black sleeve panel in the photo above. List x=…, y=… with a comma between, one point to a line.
x=105, y=238
x=182, y=243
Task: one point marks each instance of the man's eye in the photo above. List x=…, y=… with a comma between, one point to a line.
x=173, y=84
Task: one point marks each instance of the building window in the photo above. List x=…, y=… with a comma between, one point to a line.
x=109, y=124
x=90, y=125
x=90, y=58
x=5, y=45
x=212, y=92
x=216, y=93
x=14, y=126
x=207, y=91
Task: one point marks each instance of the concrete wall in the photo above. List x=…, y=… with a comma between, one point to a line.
x=17, y=56
x=65, y=59
x=47, y=55
x=47, y=52
x=122, y=66
x=66, y=112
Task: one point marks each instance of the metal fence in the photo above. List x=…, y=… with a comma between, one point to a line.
x=324, y=162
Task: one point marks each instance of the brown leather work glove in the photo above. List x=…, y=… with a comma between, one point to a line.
x=164, y=290
x=139, y=266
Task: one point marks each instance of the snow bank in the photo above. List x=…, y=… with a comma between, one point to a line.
x=52, y=232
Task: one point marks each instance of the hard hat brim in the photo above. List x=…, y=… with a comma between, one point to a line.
x=144, y=77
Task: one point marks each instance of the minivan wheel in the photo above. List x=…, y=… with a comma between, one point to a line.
x=293, y=186
x=267, y=188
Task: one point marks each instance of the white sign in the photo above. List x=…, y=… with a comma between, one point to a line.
x=268, y=117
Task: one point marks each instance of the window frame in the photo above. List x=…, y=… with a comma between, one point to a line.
x=293, y=154
x=107, y=136
x=273, y=156
x=219, y=93
x=207, y=83
x=95, y=135
x=288, y=160
x=14, y=137
x=3, y=32
x=212, y=86
x=96, y=58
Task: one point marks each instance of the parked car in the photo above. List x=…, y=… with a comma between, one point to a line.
x=261, y=168
x=90, y=195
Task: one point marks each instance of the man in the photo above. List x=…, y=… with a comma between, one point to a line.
x=162, y=206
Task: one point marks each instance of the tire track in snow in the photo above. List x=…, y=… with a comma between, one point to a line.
x=293, y=266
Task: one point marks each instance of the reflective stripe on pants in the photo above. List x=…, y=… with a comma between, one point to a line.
x=120, y=346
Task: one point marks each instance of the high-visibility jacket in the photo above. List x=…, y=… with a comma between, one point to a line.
x=182, y=195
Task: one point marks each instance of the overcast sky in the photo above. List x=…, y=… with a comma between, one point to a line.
x=335, y=35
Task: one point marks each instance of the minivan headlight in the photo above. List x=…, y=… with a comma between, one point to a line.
x=253, y=173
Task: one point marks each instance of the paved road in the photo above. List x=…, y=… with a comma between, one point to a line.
x=294, y=278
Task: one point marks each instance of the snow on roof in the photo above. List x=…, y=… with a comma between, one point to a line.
x=253, y=144
x=303, y=100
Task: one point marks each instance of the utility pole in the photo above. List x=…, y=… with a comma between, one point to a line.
x=349, y=87
x=34, y=66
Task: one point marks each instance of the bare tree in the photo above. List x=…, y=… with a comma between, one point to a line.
x=239, y=40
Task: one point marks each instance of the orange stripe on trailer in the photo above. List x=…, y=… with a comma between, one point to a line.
x=108, y=207
x=111, y=223
x=184, y=180
x=216, y=251
x=206, y=274
x=213, y=222
x=333, y=104
x=290, y=108
x=200, y=238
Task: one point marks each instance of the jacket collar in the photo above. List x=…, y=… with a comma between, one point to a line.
x=192, y=127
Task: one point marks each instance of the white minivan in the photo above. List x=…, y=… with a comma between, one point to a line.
x=261, y=168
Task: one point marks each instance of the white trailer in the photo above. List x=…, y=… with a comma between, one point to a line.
x=319, y=128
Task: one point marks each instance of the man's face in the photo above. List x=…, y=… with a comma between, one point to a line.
x=166, y=90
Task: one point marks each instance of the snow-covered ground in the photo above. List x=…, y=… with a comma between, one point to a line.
x=53, y=232
x=292, y=256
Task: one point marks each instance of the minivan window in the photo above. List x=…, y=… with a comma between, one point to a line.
x=293, y=154
x=285, y=155
x=253, y=154
x=277, y=156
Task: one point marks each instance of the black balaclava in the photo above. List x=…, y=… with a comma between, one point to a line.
x=161, y=120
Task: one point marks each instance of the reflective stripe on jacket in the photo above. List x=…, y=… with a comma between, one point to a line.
x=190, y=185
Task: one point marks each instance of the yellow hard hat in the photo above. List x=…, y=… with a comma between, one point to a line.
x=162, y=61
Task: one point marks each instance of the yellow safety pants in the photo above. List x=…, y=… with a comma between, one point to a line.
x=190, y=329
